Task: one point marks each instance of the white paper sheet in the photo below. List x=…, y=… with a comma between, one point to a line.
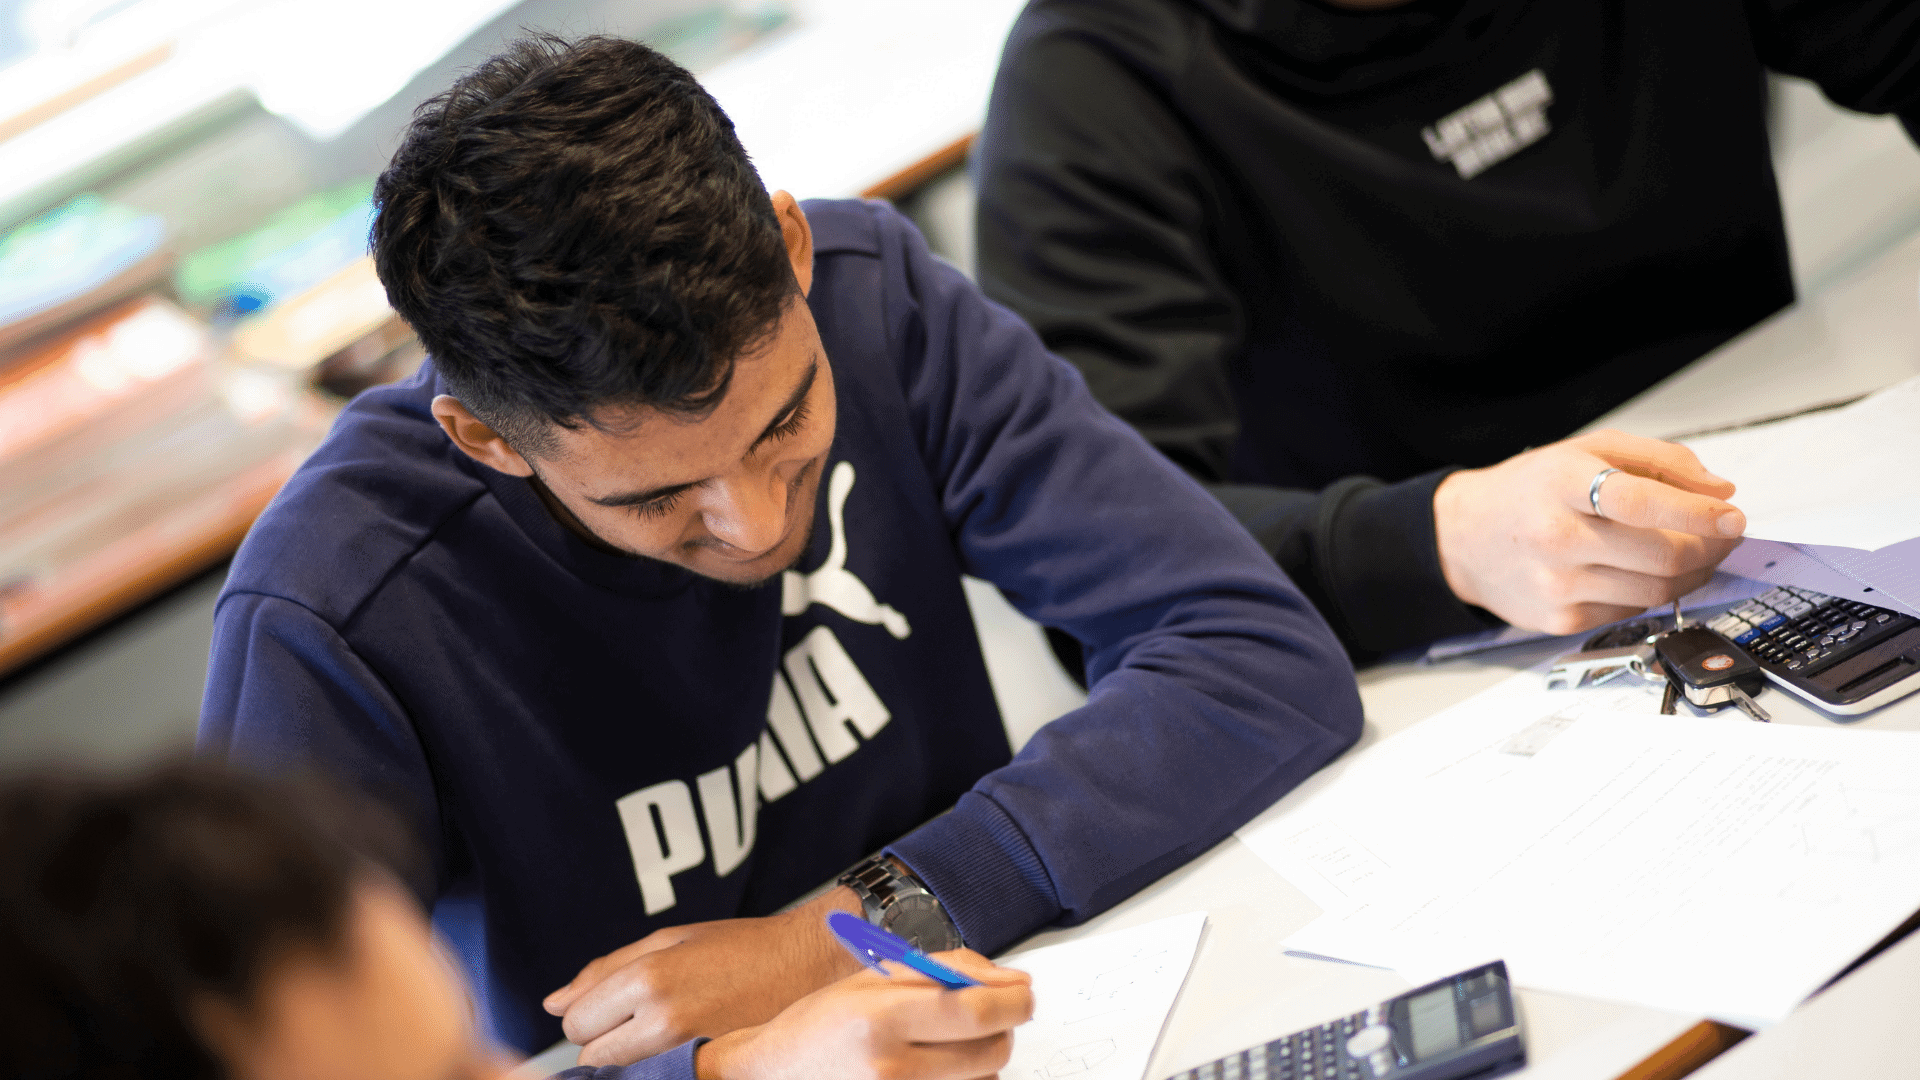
x=1378, y=825
x=1795, y=488
x=1790, y=564
x=1696, y=864
x=1099, y=1003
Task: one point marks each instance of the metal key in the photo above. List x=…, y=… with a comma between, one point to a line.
x=1710, y=670
x=1747, y=705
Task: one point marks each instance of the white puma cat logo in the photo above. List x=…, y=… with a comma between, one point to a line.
x=833, y=585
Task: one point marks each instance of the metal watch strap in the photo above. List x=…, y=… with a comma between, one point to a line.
x=880, y=882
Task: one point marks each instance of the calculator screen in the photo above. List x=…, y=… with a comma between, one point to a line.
x=1432, y=1023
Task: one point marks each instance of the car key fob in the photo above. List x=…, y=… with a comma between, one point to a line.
x=1710, y=670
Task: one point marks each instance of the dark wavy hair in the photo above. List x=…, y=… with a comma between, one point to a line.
x=124, y=897
x=575, y=226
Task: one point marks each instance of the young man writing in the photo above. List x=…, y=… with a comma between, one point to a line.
x=642, y=601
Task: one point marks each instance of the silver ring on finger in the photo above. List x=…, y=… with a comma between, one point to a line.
x=1593, y=490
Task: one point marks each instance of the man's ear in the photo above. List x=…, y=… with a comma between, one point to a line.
x=476, y=439
x=799, y=237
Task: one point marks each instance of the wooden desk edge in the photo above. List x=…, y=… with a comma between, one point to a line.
x=141, y=583
x=909, y=179
x=1693, y=1048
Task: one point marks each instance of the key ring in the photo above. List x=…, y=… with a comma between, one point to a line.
x=1593, y=490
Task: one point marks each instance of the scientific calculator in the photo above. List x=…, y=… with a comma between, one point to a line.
x=1463, y=1026
x=1843, y=656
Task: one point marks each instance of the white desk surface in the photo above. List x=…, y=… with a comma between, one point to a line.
x=1861, y=335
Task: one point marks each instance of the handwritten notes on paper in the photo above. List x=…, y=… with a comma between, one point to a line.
x=1100, y=1002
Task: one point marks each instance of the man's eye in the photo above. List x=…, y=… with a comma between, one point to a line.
x=794, y=423
x=659, y=507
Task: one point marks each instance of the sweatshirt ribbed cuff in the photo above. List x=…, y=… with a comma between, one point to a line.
x=984, y=872
x=1381, y=563
x=675, y=1064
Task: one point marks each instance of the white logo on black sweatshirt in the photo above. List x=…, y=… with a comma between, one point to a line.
x=1492, y=128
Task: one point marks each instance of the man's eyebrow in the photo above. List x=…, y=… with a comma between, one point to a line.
x=637, y=498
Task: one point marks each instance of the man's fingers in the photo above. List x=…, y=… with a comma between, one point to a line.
x=626, y=1044
x=960, y=1060
x=1615, y=588
x=598, y=969
x=958, y=1015
x=968, y=962
x=1581, y=618
x=609, y=1004
x=1653, y=552
x=1650, y=504
x=1665, y=462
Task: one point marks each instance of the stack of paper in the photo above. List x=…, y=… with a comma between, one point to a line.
x=1832, y=498
x=1702, y=865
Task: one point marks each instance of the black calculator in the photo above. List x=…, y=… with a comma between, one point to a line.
x=1463, y=1026
x=1842, y=655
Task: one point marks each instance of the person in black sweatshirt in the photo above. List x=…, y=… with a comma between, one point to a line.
x=1320, y=254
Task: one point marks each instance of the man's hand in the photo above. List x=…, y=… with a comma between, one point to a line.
x=700, y=979
x=1520, y=539
x=871, y=1027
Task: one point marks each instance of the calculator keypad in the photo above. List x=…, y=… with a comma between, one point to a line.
x=1314, y=1054
x=1801, y=632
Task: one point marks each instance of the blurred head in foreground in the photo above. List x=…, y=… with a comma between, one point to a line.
x=191, y=922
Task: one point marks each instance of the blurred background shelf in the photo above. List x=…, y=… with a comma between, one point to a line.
x=185, y=301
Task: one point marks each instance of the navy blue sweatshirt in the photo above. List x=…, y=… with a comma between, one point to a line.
x=596, y=747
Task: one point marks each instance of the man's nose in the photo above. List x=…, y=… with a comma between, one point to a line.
x=749, y=514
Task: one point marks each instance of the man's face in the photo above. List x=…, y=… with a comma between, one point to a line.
x=729, y=494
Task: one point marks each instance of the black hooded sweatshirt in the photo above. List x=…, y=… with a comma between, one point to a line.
x=1301, y=247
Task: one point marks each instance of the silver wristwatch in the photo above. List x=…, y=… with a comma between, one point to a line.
x=892, y=899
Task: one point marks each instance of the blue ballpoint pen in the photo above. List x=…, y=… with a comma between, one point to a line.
x=871, y=945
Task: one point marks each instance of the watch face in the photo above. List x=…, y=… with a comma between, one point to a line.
x=918, y=918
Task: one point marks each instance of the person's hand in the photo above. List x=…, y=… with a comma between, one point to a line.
x=700, y=979
x=1520, y=539
x=871, y=1027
